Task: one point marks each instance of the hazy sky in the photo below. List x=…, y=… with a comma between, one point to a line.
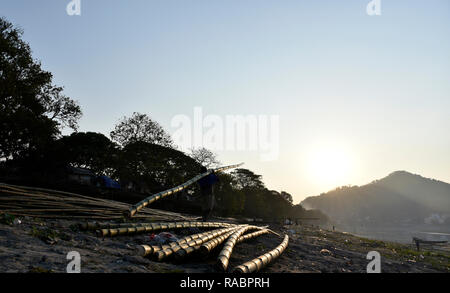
x=358, y=96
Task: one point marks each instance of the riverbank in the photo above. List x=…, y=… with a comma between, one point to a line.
x=37, y=245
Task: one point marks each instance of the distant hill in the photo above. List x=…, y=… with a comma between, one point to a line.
x=400, y=198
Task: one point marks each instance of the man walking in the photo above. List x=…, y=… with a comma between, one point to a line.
x=207, y=192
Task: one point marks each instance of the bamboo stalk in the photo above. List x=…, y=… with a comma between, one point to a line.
x=252, y=235
x=182, y=253
x=260, y=262
x=224, y=256
x=151, y=227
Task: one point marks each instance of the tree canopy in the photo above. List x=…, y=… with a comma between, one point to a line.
x=88, y=150
x=140, y=128
x=245, y=179
x=204, y=157
x=158, y=166
x=33, y=109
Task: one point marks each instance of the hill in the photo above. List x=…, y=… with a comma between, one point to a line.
x=400, y=199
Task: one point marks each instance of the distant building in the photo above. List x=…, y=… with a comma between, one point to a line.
x=80, y=175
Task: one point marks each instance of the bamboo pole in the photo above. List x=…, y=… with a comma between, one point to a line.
x=252, y=235
x=224, y=256
x=143, y=203
x=260, y=262
x=129, y=229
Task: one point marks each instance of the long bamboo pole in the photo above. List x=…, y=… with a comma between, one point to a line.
x=143, y=203
x=252, y=235
x=260, y=262
x=224, y=256
x=152, y=227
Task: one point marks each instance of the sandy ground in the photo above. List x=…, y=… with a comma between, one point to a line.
x=37, y=245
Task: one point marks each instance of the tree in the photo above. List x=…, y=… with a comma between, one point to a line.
x=246, y=179
x=60, y=108
x=157, y=166
x=287, y=197
x=140, y=128
x=230, y=201
x=32, y=109
x=204, y=157
x=89, y=150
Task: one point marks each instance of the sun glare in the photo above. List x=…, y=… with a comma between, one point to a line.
x=330, y=166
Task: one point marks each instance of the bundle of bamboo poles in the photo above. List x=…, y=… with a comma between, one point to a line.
x=205, y=242
x=146, y=250
x=46, y=203
x=143, y=203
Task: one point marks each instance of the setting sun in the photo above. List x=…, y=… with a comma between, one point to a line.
x=330, y=166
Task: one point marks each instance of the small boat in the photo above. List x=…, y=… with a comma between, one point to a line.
x=415, y=239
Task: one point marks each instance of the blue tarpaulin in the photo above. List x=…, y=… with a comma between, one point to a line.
x=109, y=183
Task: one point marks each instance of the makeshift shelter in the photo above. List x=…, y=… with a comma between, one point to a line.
x=80, y=175
x=106, y=182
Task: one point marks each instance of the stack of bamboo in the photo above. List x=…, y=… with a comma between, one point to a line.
x=201, y=243
x=204, y=242
x=45, y=203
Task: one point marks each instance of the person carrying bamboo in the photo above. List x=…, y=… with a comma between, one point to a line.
x=207, y=193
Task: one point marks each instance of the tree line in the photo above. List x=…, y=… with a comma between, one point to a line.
x=138, y=152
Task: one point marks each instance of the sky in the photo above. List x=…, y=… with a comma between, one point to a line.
x=357, y=96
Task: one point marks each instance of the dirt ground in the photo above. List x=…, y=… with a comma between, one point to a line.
x=37, y=245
